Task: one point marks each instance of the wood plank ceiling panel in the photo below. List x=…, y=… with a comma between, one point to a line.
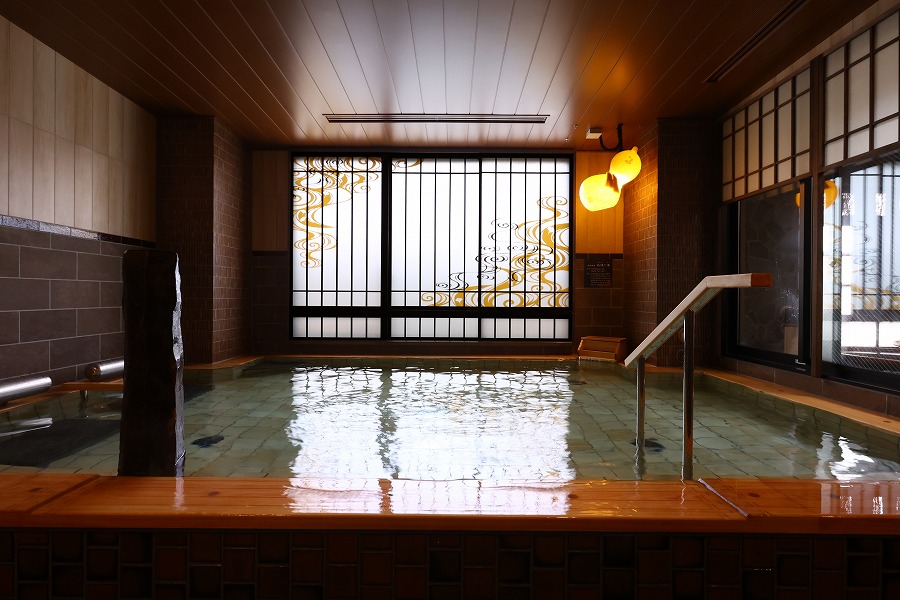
x=490, y=45
x=211, y=53
x=319, y=37
x=460, y=32
x=239, y=47
x=608, y=52
x=306, y=97
x=427, y=22
x=156, y=30
x=681, y=66
x=46, y=23
x=582, y=40
x=366, y=41
x=395, y=29
x=555, y=40
x=271, y=69
x=527, y=22
x=642, y=62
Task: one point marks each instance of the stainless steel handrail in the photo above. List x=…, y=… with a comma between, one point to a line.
x=682, y=315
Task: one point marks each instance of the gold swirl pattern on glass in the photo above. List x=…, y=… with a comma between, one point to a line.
x=320, y=183
x=538, y=250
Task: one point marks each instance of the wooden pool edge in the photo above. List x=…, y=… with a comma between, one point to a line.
x=785, y=506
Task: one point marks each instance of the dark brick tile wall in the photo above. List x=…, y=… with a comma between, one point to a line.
x=43, y=563
x=670, y=233
x=184, y=182
x=60, y=299
x=598, y=311
x=687, y=207
x=203, y=215
x=231, y=243
x=640, y=244
x=270, y=301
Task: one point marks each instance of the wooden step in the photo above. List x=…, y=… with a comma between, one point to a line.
x=604, y=348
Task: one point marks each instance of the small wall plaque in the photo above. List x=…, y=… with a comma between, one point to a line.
x=598, y=271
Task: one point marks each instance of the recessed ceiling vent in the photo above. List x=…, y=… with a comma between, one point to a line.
x=435, y=118
x=756, y=39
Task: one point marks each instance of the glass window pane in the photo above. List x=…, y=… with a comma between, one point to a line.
x=769, y=242
x=834, y=106
x=886, y=133
x=861, y=270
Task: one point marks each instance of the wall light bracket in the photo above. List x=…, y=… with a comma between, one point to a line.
x=594, y=133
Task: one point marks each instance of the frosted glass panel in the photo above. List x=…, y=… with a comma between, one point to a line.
x=785, y=127
x=784, y=171
x=886, y=133
x=739, y=187
x=801, y=123
x=858, y=105
x=768, y=140
x=336, y=235
x=801, y=164
x=859, y=47
x=802, y=81
x=768, y=102
x=886, y=82
x=752, y=182
x=768, y=176
x=834, y=152
x=753, y=147
x=726, y=159
x=887, y=30
x=834, y=106
x=858, y=143
x=739, y=158
x=834, y=62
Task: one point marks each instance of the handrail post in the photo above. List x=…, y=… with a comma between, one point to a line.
x=687, y=449
x=639, y=461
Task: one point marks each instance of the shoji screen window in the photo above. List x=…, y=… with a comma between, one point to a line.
x=431, y=248
x=337, y=247
x=480, y=248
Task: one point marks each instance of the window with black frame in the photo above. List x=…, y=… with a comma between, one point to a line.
x=861, y=272
x=767, y=323
x=431, y=247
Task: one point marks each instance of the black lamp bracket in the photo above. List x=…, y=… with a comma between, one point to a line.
x=618, y=147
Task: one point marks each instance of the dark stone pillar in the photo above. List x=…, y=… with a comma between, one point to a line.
x=152, y=436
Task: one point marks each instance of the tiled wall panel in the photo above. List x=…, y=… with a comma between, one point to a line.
x=202, y=216
x=640, y=291
x=37, y=563
x=687, y=208
x=60, y=306
x=64, y=154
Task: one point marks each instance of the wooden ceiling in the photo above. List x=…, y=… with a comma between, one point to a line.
x=271, y=69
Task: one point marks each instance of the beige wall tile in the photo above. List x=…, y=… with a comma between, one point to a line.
x=44, y=176
x=84, y=187
x=116, y=197
x=84, y=116
x=64, y=192
x=65, y=98
x=100, y=195
x=4, y=66
x=4, y=164
x=100, y=111
x=131, y=216
x=21, y=75
x=21, y=168
x=44, y=87
x=116, y=124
